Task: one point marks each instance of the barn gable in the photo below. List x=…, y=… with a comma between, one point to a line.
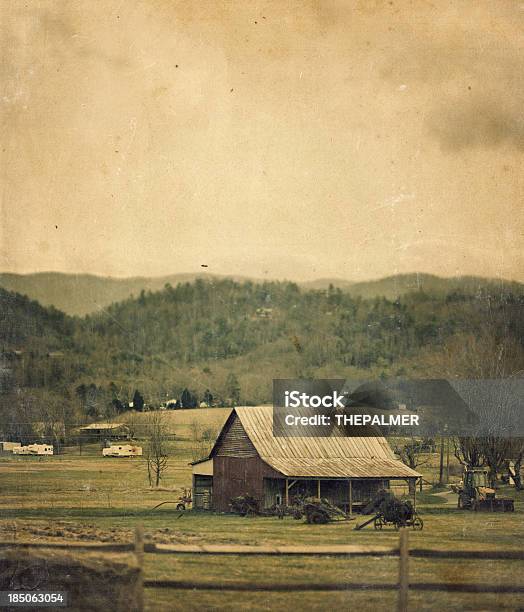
x=233, y=440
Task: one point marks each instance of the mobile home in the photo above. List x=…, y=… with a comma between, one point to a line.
x=122, y=450
x=33, y=449
x=7, y=447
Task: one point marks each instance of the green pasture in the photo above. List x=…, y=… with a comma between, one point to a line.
x=113, y=494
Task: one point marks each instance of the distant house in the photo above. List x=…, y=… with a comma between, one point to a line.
x=264, y=313
x=14, y=354
x=247, y=458
x=105, y=431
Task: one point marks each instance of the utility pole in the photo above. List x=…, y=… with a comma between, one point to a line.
x=447, y=460
x=441, y=463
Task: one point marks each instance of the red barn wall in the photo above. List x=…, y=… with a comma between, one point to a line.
x=233, y=476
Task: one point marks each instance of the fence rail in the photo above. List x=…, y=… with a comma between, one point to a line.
x=402, y=552
x=327, y=551
x=452, y=587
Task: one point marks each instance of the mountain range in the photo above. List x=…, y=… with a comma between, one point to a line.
x=233, y=338
x=81, y=294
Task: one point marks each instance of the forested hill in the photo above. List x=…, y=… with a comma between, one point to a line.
x=395, y=286
x=196, y=335
x=81, y=294
x=25, y=322
x=215, y=320
x=392, y=287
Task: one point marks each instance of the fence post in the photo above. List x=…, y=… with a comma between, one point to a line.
x=403, y=570
x=139, y=554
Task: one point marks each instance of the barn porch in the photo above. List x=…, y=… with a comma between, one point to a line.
x=349, y=494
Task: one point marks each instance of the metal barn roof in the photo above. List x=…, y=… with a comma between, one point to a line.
x=103, y=426
x=337, y=456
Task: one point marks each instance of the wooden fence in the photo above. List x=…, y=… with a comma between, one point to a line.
x=140, y=548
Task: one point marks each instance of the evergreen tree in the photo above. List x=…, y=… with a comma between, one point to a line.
x=208, y=397
x=118, y=405
x=188, y=399
x=138, y=401
x=233, y=389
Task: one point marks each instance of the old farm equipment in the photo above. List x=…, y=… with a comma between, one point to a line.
x=390, y=510
x=316, y=511
x=245, y=505
x=475, y=494
x=185, y=500
x=182, y=503
x=320, y=511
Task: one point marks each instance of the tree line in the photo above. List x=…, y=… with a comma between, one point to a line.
x=220, y=342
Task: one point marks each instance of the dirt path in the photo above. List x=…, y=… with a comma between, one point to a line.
x=448, y=497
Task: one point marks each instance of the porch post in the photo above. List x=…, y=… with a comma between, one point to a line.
x=318, y=488
x=350, y=497
x=287, y=493
x=415, y=495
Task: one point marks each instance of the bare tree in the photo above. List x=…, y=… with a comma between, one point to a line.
x=202, y=439
x=411, y=453
x=517, y=454
x=485, y=355
x=56, y=416
x=135, y=425
x=468, y=451
x=491, y=362
x=496, y=451
x=156, y=448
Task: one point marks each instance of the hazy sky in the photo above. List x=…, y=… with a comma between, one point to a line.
x=296, y=139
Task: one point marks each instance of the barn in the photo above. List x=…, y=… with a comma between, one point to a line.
x=248, y=458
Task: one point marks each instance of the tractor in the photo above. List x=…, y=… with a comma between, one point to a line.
x=475, y=494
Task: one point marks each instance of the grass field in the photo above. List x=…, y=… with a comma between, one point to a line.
x=71, y=497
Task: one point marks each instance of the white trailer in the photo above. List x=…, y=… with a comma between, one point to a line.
x=122, y=450
x=41, y=449
x=21, y=450
x=7, y=447
x=33, y=449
